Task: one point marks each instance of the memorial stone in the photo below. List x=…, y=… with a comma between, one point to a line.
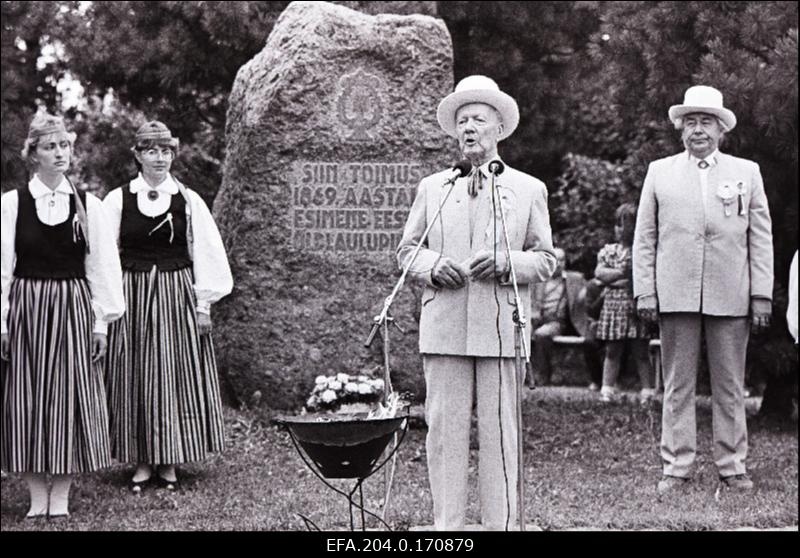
x=330, y=129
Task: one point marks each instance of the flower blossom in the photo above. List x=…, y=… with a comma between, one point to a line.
x=364, y=389
x=351, y=387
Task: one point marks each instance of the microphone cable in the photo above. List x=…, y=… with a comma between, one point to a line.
x=500, y=349
x=441, y=240
x=463, y=168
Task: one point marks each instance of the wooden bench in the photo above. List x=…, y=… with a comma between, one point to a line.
x=568, y=340
x=654, y=349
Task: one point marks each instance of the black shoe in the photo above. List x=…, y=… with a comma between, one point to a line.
x=741, y=483
x=172, y=486
x=137, y=487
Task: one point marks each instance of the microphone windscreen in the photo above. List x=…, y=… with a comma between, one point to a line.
x=463, y=167
x=496, y=167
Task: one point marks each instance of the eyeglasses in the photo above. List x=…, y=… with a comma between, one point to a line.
x=154, y=153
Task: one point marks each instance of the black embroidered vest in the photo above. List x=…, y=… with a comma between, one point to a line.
x=142, y=245
x=44, y=251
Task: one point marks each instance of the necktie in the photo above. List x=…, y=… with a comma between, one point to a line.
x=475, y=183
x=703, y=165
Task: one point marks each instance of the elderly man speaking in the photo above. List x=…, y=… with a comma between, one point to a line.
x=702, y=263
x=466, y=331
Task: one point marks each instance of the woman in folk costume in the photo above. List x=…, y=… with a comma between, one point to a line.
x=61, y=286
x=161, y=373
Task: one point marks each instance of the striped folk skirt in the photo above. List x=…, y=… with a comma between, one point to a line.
x=161, y=375
x=54, y=415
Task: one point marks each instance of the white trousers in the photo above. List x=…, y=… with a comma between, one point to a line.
x=453, y=383
x=726, y=347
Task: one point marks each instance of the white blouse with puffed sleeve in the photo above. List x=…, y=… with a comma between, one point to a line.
x=102, y=265
x=212, y=273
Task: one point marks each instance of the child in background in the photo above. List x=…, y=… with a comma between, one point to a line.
x=618, y=322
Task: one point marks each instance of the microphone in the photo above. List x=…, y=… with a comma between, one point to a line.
x=496, y=167
x=461, y=168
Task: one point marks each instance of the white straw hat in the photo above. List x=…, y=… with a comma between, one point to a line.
x=478, y=89
x=705, y=99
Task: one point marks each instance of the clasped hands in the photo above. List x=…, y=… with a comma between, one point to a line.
x=450, y=274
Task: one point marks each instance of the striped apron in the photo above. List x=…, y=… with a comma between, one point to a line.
x=54, y=417
x=162, y=383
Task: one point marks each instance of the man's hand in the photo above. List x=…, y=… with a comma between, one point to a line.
x=448, y=274
x=99, y=346
x=483, y=265
x=5, y=347
x=760, y=314
x=647, y=308
x=203, y=323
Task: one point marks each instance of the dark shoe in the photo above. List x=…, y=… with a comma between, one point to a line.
x=669, y=484
x=172, y=486
x=137, y=487
x=741, y=482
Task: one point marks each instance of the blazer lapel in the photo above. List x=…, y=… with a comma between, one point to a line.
x=690, y=180
x=455, y=212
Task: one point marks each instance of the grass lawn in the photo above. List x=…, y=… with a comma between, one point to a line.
x=588, y=466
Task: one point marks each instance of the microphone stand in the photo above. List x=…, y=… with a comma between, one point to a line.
x=520, y=353
x=383, y=320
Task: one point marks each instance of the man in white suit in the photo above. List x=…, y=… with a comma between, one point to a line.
x=466, y=329
x=702, y=264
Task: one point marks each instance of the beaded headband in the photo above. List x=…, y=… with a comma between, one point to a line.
x=46, y=126
x=156, y=131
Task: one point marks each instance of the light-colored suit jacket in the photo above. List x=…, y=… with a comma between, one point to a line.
x=463, y=321
x=698, y=259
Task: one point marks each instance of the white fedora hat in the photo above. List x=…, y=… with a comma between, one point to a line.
x=478, y=89
x=702, y=98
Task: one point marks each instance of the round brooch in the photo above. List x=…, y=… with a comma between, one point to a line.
x=152, y=195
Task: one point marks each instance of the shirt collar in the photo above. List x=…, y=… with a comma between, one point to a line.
x=168, y=186
x=38, y=188
x=711, y=159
